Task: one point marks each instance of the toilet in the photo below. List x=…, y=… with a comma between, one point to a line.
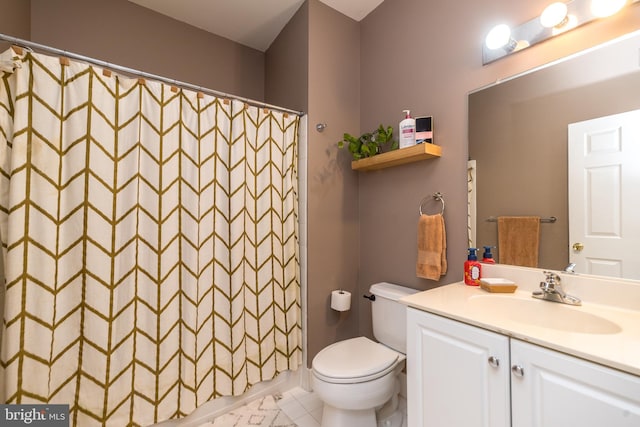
x=358, y=379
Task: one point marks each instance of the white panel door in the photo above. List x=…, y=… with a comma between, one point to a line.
x=604, y=195
x=457, y=375
x=552, y=389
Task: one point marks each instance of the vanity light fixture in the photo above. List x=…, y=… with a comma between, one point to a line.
x=500, y=37
x=554, y=15
x=568, y=24
x=556, y=18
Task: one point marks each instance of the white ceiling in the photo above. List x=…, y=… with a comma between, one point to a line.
x=253, y=23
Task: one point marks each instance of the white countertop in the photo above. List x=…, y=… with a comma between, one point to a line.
x=618, y=347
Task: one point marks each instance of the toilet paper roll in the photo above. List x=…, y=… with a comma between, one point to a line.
x=340, y=300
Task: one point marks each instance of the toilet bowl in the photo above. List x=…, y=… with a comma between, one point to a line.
x=358, y=379
x=354, y=378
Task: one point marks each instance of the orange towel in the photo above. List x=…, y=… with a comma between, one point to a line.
x=519, y=240
x=432, y=247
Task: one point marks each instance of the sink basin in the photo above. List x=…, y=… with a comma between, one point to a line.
x=544, y=314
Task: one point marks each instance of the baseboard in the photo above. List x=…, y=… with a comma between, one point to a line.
x=305, y=378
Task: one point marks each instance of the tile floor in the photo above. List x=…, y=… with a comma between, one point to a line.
x=305, y=408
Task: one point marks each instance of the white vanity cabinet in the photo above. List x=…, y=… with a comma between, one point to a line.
x=557, y=390
x=460, y=375
x=457, y=375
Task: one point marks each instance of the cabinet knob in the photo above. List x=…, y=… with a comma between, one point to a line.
x=494, y=361
x=517, y=370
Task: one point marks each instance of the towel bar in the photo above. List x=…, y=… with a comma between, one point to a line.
x=551, y=219
x=436, y=196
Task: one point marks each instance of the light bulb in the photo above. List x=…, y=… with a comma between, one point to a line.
x=569, y=23
x=604, y=8
x=498, y=37
x=553, y=15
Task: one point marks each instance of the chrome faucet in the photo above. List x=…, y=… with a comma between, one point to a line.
x=551, y=290
x=571, y=268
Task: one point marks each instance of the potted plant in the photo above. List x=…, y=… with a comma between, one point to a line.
x=370, y=143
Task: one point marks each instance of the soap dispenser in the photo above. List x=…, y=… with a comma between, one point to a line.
x=472, y=269
x=407, y=130
x=487, y=256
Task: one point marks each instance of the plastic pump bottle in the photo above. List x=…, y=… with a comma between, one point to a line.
x=487, y=256
x=472, y=269
x=407, y=130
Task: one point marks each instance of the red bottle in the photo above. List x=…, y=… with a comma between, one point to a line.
x=487, y=256
x=472, y=269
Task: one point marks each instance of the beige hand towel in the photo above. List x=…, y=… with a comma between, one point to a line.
x=432, y=247
x=519, y=240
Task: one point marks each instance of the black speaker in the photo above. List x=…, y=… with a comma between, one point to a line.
x=424, y=130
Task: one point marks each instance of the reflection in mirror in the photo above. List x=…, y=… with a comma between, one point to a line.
x=518, y=138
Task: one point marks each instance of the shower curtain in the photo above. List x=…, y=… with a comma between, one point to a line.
x=150, y=245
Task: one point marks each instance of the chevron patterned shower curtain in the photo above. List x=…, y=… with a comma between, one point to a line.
x=149, y=239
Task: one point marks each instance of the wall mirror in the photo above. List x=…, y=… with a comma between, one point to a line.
x=518, y=140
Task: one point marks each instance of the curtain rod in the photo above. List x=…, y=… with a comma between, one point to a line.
x=113, y=67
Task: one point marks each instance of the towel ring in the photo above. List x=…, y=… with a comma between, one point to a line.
x=436, y=196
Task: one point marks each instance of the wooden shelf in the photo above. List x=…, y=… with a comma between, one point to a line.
x=398, y=157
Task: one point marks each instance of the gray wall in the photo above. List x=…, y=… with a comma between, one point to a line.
x=426, y=55
x=126, y=34
x=15, y=18
x=306, y=52
x=328, y=64
x=287, y=64
x=334, y=99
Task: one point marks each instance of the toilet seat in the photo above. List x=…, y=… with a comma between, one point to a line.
x=354, y=360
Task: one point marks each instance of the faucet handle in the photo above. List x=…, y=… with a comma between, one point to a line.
x=551, y=290
x=550, y=282
x=551, y=277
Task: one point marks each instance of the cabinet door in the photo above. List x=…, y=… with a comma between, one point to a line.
x=556, y=390
x=457, y=374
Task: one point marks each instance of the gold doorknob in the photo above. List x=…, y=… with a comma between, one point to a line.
x=578, y=247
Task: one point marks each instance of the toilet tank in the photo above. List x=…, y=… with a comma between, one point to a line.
x=389, y=316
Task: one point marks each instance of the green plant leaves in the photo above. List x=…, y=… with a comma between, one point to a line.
x=370, y=143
